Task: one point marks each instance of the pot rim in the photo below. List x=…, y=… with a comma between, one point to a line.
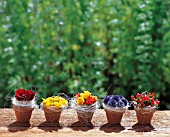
x=116, y=109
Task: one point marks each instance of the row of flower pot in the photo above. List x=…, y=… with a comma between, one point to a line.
x=85, y=104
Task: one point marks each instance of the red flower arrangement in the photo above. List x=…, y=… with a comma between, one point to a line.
x=85, y=104
x=24, y=95
x=145, y=100
x=85, y=98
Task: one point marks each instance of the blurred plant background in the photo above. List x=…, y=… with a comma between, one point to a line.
x=71, y=45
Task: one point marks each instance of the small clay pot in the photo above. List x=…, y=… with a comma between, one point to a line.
x=23, y=114
x=144, y=116
x=85, y=116
x=113, y=117
x=51, y=115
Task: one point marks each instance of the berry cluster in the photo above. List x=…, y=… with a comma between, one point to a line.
x=115, y=101
x=145, y=100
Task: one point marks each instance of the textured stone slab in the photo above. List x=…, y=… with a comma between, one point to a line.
x=70, y=126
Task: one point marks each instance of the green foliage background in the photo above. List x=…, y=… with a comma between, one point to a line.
x=71, y=45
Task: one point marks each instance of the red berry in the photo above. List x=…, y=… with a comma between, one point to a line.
x=153, y=93
x=149, y=94
x=152, y=103
x=138, y=95
x=146, y=98
x=157, y=102
x=132, y=97
x=143, y=105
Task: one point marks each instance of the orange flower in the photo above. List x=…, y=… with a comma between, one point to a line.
x=95, y=97
x=77, y=95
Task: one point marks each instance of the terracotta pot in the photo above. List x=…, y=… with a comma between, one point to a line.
x=113, y=117
x=51, y=115
x=23, y=114
x=145, y=116
x=85, y=116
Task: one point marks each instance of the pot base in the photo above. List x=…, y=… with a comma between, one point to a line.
x=84, y=117
x=144, y=116
x=51, y=116
x=113, y=117
x=23, y=114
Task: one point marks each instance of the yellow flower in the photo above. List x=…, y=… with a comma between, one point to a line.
x=64, y=102
x=80, y=100
x=56, y=101
x=50, y=98
x=52, y=104
x=82, y=95
x=56, y=98
x=86, y=94
x=58, y=105
x=45, y=101
x=47, y=104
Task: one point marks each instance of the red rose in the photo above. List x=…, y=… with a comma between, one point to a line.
x=24, y=95
x=90, y=101
x=29, y=95
x=19, y=95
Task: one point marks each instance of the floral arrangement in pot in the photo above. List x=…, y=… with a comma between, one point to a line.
x=85, y=104
x=145, y=105
x=115, y=106
x=53, y=107
x=23, y=104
